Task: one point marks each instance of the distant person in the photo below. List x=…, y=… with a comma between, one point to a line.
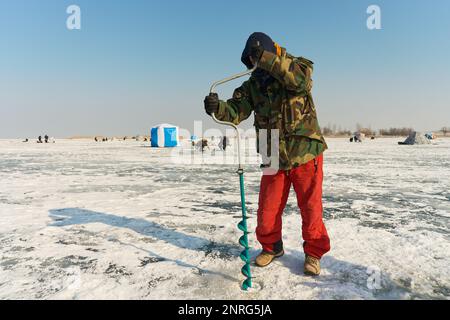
x=199, y=144
x=26, y=140
x=46, y=138
x=95, y=138
x=351, y=139
x=39, y=140
x=204, y=144
x=224, y=143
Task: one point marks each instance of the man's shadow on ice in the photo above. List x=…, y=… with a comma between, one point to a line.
x=343, y=276
x=78, y=216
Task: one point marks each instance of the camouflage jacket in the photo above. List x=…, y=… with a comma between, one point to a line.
x=286, y=104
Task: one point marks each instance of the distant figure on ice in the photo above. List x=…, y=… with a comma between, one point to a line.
x=26, y=140
x=224, y=143
x=204, y=144
x=39, y=140
x=46, y=138
x=201, y=145
x=358, y=136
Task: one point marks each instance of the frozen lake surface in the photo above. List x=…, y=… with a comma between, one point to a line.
x=118, y=220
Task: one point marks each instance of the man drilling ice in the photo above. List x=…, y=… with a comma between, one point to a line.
x=279, y=94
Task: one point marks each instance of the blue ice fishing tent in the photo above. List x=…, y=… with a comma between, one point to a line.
x=164, y=136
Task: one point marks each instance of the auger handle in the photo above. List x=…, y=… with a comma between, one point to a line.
x=237, y=75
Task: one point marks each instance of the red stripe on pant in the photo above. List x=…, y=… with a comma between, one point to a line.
x=274, y=191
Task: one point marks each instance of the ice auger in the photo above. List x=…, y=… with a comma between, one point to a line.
x=242, y=225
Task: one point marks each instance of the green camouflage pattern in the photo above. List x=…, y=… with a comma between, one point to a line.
x=286, y=105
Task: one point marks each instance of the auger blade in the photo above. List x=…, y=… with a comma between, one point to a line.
x=242, y=226
x=243, y=241
x=244, y=256
x=246, y=284
x=246, y=270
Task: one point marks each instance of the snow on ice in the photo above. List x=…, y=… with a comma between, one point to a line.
x=119, y=220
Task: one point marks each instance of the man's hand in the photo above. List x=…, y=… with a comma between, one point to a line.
x=256, y=52
x=211, y=103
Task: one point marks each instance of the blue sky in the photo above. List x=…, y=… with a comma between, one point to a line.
x=136, y=63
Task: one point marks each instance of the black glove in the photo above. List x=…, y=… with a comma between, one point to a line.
x=212, y=103
x=256, y=52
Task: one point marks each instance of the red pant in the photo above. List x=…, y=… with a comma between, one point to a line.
x=273, y=195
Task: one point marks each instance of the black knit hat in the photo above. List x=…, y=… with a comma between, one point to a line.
x=264, y=40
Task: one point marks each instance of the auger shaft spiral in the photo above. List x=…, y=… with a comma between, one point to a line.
x=242, y=225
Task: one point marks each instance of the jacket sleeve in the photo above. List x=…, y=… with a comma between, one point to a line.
x=293, y=74
x=238, y=108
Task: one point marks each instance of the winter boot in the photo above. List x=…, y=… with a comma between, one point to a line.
x=266, y=257
x=312, y=266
